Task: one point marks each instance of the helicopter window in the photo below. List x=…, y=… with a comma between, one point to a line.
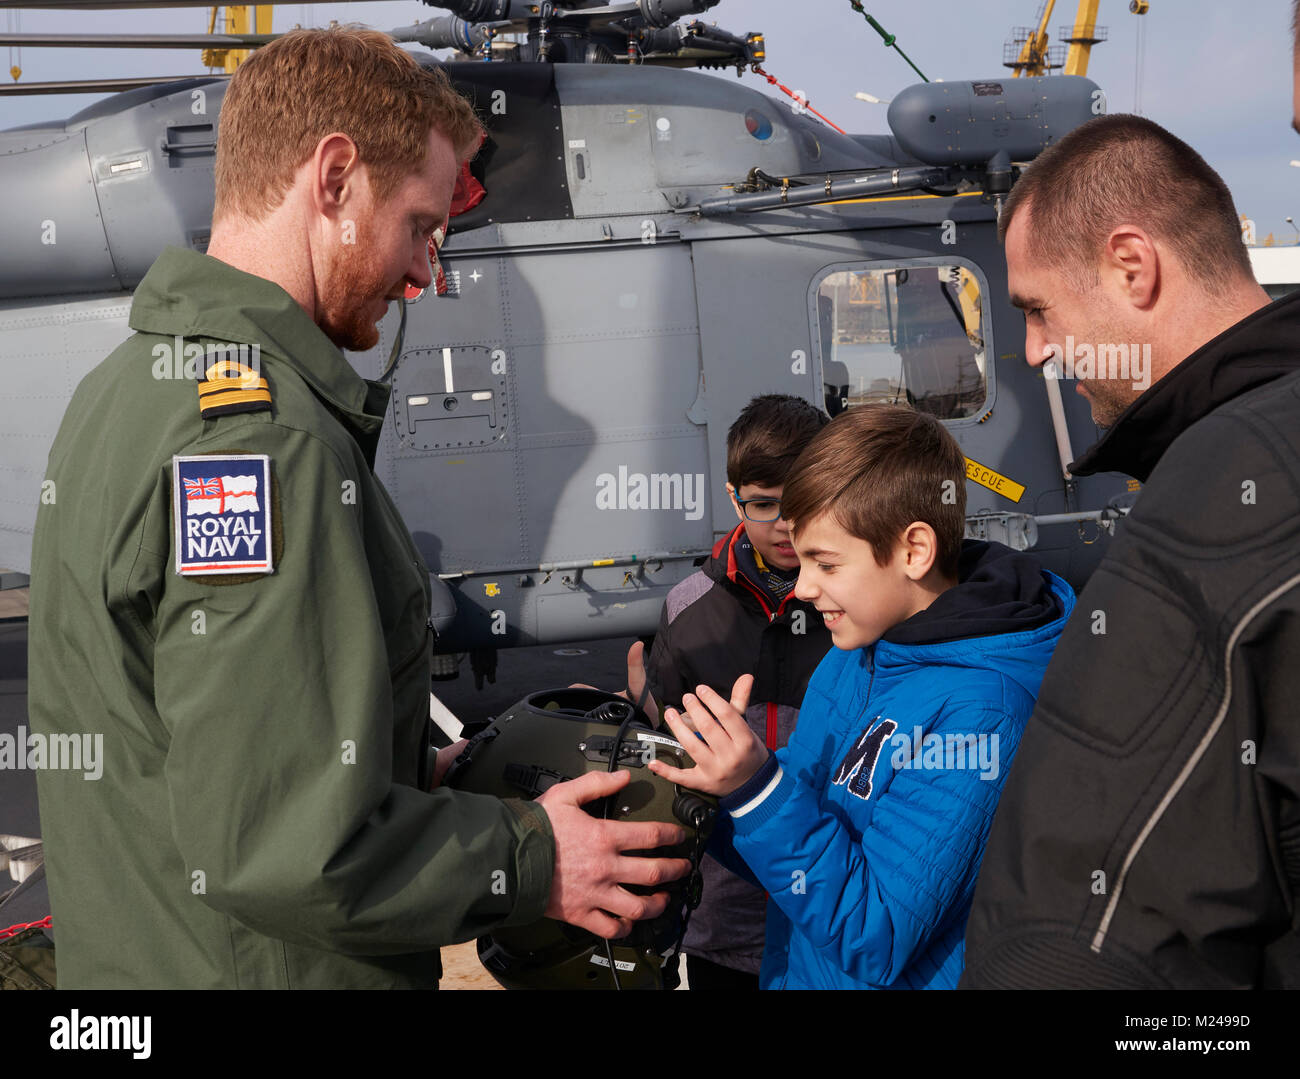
x=903, y=335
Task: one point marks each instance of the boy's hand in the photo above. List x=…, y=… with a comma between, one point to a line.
x=726, y=752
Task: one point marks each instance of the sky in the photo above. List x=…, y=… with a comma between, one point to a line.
x=1216, y=74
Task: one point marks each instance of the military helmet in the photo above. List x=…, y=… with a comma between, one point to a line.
x=562, y=734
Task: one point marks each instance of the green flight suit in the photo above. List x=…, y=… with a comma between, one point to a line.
x=258, y=821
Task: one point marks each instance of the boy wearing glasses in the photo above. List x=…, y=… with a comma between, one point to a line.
x=738, y=615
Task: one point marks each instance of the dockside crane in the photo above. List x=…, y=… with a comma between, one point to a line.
x=1028, y=52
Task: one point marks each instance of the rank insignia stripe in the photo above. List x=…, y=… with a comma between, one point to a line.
x=233, y=385
x=230, y=387
x=228, y=402
x=995, y=482
x=222, y=508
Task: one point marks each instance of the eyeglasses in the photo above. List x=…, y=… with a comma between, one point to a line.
x=760, y=510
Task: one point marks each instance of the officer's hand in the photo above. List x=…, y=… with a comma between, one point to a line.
x=444, y=760
x=724, y=748
x=590, y=866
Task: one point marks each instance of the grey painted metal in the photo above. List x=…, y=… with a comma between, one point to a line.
x=966, y=123
x=136, y=41
x=54, y=234
x=46, y=348
x=1104, y=516
x=1018, y=531
x=89, y=86
x=89, y=207
x=556, y=440
x=891, y=180
x=106, y=5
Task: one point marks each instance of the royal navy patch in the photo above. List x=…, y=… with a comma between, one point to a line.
x=223, y=514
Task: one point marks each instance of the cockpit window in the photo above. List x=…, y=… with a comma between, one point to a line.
x=907, y=334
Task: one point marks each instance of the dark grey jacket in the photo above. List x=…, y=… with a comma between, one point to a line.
x=1149, y=832
x=717, y=625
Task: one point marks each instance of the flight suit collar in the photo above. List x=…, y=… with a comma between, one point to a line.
x=188, y=294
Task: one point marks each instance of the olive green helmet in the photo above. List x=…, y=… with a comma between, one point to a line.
x=562, y=734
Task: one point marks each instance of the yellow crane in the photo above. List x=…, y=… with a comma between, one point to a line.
x=240, y=19
x=1082, y=37
x=1027, y=51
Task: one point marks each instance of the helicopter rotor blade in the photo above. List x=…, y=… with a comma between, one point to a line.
x=106, y=5
x=93, y=86
x=137, y=41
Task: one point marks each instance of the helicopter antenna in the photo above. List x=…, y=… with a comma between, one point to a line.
x=803, y=101
x=890, y=40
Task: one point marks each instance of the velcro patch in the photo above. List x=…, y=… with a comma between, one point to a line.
x=223, y=514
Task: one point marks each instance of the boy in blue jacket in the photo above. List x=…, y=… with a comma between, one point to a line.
x=868, y=828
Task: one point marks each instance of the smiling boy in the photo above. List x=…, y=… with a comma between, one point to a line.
x=867, y=829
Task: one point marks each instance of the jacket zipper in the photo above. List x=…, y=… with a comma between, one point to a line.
x=1099, y=938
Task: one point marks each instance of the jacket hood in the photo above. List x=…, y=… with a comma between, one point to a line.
x=1006, y=612
x=1240, y=359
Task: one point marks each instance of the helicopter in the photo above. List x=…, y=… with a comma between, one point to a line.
x=640, y=249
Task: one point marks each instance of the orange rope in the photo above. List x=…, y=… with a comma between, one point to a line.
x=758, y=70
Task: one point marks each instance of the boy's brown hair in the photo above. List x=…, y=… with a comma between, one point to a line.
x=293, y=92
x=878, y=468
x=768, y=436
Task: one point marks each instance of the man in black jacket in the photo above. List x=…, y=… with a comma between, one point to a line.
x=1149, y=832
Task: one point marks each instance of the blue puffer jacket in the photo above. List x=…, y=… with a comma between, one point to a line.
x=868, y=828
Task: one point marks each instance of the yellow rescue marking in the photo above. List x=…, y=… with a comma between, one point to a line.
x=603, y=562
x=1134, y=485
x=986, y=477
x=492, y=588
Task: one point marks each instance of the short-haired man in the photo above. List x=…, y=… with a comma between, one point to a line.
x=223, y=592
x=1149, y=834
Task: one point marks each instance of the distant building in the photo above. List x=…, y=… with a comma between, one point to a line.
x=1277, y=269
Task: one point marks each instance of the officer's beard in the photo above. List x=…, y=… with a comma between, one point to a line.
x=350, y=293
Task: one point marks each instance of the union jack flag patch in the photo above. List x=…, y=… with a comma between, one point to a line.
x=223, y=514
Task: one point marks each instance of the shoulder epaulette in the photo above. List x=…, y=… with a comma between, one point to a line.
x=228, y=387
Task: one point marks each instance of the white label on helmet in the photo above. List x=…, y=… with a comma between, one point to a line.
x=645, y=736
x=621, y=964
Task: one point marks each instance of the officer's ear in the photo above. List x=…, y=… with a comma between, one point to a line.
x=336, y=176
